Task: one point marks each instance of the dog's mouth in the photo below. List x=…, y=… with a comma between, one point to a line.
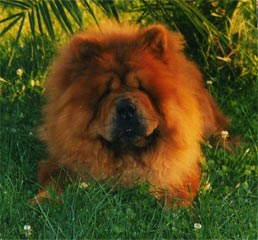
x=129, y=141
x=130, y=136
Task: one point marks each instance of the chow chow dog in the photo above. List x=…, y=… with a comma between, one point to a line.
x=125, y=102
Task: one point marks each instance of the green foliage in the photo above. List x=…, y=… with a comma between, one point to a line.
x=220, y=34
x=220, y=37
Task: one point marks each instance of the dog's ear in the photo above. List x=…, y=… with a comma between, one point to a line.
x=155, y=38
x=85, y=49
x=160, y=41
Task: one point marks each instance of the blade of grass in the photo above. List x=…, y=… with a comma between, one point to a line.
x=90, y=10
x=9, y=26
x=16, y=4
x=47, y=220
x=108, y=7
x=151, y=8
x=74, y=10
x=39, y=21
x=33, y=32
x=9, y=18
x=63, y=16
x=114, y=11
x=59, y=17
x=47, y=19
x=17, y=39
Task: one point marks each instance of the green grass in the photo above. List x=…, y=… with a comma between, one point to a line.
x=227, y=209
x=226, y=206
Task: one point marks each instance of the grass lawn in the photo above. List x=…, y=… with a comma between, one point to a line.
x=226, y=206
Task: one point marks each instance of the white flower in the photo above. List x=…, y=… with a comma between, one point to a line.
x=197, y=226
x=19, y=72
x=32, y=83
x=27, y=230
x=224, y=134
x=84, y=185
x=209, y=82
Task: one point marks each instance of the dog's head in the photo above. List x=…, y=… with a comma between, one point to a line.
x=124, y=66
x=121, y=86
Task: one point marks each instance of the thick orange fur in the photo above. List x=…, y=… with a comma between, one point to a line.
x=148, y=67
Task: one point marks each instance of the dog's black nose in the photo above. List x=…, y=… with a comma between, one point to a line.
x=125, y=109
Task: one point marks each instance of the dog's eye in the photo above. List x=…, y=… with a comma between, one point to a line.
x=107, y=91
x=105, y=94
x=135, y=83
x=141, y=88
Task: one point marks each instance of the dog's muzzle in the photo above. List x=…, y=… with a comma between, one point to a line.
x=128, y=126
